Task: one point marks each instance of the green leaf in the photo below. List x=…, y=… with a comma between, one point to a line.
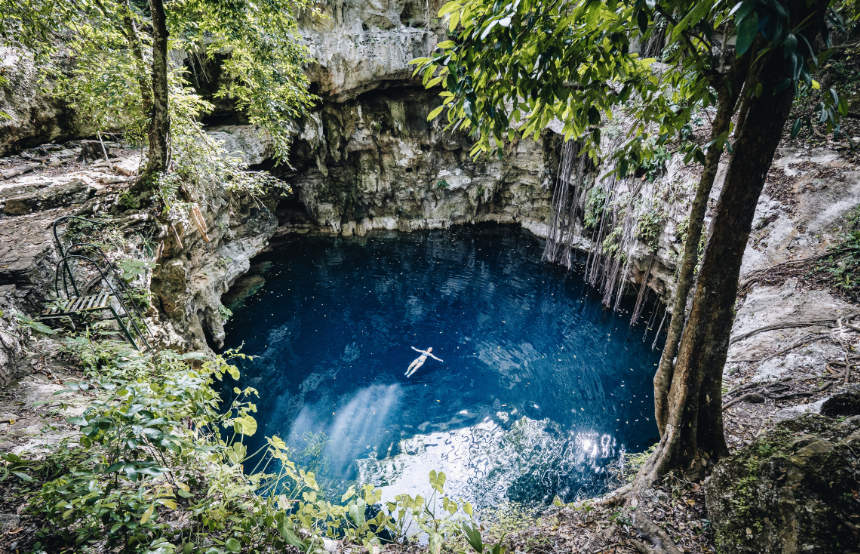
x=356, y=512
x=747, y=31
x=448, y=8
x=245, y=425
x=433, y=114
x=350, y=492
x=287, y=532
x=147, y=514
x=23, y=476
x=699, y=10
x=233, y=545
x=795, y=128
x=473, y=536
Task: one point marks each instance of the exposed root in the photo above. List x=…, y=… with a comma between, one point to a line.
x=654, y=534
x=781, y=271
x=802, y=342
x=831, y=322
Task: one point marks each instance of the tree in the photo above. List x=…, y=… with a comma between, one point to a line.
x=159, y=119
x=510, y=68
x=115, y=83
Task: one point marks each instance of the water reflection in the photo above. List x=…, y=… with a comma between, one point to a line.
x=490, y=463
x=540, y=388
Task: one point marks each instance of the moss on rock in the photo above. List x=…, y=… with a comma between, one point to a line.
x=795, y=489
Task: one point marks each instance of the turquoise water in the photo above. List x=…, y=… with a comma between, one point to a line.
x=540, y=389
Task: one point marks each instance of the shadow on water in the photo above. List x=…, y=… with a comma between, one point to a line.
x=540, y=389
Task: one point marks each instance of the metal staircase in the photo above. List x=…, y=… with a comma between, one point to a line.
x=92, y=286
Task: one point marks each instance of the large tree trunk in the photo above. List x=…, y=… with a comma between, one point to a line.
x=133, y=38
x=159, y=124
x=693, y=435
x=727, y=98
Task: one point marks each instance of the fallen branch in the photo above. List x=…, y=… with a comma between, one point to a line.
x=752, y=397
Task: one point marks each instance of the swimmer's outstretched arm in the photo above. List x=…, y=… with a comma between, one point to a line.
x=418, y=350
x=434, y=357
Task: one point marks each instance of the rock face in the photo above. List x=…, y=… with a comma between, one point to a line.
x=195, y=270
x=374, y=162
x=792, y=490
x=11, y=338
x=33, y=117
x=360, y=45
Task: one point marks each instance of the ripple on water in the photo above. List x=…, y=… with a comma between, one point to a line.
x=539, y=391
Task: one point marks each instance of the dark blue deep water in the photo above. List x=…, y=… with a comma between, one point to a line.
x=540, y=389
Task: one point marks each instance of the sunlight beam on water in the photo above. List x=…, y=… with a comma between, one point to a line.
x=540, y=390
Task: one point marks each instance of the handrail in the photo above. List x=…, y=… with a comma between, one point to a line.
x=59, y=244
x=105, y=280
x=61, y=219
x=118, y=278
x=110, y=276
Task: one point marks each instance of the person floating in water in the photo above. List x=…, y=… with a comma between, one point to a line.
x=419, y=361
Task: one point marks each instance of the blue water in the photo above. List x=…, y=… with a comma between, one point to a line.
x=539, y=391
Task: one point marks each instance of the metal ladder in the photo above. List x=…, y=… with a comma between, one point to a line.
x=107, y=292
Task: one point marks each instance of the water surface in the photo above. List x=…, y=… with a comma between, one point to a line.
x=540, y=388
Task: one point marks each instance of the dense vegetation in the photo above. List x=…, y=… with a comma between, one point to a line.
x=159, y=463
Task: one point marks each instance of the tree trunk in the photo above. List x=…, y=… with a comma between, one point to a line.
x=159, y=124
x=133, y=39
x=693, y=436
x=726, y=101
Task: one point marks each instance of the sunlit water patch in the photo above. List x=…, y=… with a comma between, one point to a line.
x=539, y=390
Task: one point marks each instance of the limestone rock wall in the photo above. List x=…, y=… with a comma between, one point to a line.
x=790, y=490
x=374, y=162
x=194, y=269
x=28, y=115
x=360, y=45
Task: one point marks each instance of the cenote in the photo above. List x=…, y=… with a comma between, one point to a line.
x=540, y=390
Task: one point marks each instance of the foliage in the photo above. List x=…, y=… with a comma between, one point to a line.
x=107, y=83
x=224, y=313
x=473, y=536
x=35, y=325
x=649, y=227
x=160, y=462
x=263, y=62
x=511, y=68
x=841, y=266
x=595, y=205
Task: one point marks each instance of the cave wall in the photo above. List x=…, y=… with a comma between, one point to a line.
x=28, y=113
x=375, y=162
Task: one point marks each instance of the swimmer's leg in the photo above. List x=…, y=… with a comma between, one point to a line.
x=417, y=363
x=409, y=369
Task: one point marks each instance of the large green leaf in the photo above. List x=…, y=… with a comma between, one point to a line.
x=747, y=31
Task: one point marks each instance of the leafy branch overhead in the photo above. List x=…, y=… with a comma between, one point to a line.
x=510, y=69
x=99, y=56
